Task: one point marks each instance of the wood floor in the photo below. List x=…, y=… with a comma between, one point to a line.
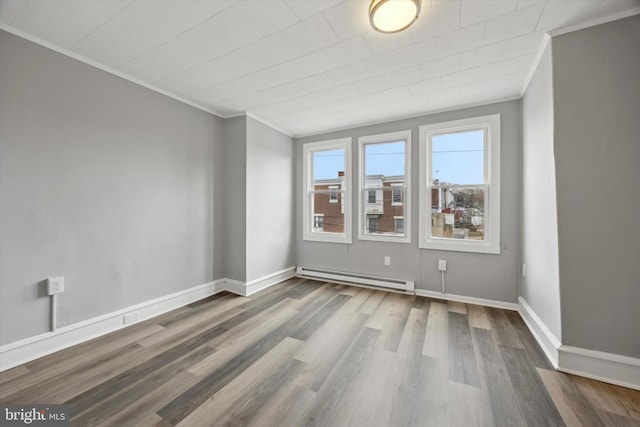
x=308, y=353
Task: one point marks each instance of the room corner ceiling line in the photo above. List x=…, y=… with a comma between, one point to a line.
x=264, y=122
x=593, y=22
x=309, y=69
x=104, y=68
x=412, y=116
x=569, y=29
x=534, y=65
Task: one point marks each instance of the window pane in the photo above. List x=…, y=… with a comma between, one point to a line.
x=383, y=212
x=457, y=212
x=384, y=165
x=328, y=190
x=458, y=158
x=372, y=224
x=333, y=193
x=396, y=196
x=460, y=192
x=327, y=163
x=384, y=159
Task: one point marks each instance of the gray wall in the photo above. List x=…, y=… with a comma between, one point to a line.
x=269, y=201
x=487, y=276
x=597, y=149
x=101, y=181
x=540, y=287
x=257, y=198
x=233, y=198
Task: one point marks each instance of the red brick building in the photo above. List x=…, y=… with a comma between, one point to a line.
x=383, y=200
x=328, y=204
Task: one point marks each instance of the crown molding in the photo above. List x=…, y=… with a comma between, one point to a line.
x=267, y=123
x=593, y=22
x=411, y=116
x=534, y=65
x=102, y=67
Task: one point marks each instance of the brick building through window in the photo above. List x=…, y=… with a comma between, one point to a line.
x=328, y=203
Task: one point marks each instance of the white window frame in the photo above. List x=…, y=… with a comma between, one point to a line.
x=307, y=205
x=491, y=243
x=404, y=135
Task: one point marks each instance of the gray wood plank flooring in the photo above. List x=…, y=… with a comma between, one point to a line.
x=310, y=353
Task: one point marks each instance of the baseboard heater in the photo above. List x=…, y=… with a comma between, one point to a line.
x=356, y=279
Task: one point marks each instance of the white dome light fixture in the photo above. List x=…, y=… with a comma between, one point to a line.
x=392, y=16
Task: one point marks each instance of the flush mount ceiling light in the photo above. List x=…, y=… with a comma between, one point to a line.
x=392, y=16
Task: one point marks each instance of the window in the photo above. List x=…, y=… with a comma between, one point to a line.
x=318, y=222
x=384, y=187
x=333, y=194
x=460, y=185
x=327, y=194
x=372, y=224
x=399, y=224
x=396, y=194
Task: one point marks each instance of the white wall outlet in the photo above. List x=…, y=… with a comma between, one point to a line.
x=387, y=260
x=442, y=264
x=55, y=285
x=524, y=270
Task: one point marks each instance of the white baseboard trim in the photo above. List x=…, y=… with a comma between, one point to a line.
x=606, y=367
x=264, y=282
x=598, y=365
x=31, y=348
x=28, y=349
x=235, y=287
x=545, y=338
x=467, y=300
x=246, y=289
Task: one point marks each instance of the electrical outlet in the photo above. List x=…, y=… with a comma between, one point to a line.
x=387, y=260
x=442, y=264
x=524, y=270
x=55, y=285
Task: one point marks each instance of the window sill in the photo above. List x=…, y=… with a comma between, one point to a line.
x=383, y=238
x=460, y=246
x=326, y=238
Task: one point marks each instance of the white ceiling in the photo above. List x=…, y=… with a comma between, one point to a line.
x=307, y=66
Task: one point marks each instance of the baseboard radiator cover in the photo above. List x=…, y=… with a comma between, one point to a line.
x=356, y=279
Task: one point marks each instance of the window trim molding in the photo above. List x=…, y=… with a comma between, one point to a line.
x=491, y=244
x=403, y=135
x=307, y=176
